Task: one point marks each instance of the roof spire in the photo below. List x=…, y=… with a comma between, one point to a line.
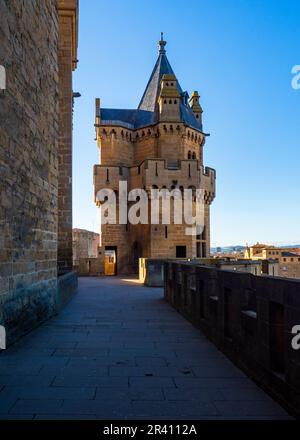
x=161, y=44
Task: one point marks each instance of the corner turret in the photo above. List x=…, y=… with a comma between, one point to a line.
x=196, y=107
x=169, y=99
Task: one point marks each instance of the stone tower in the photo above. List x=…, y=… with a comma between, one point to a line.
x=158, y=145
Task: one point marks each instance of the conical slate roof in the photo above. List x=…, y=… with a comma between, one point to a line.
x=147, y=112
x=150, y=96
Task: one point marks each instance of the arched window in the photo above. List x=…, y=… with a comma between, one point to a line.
x=165, y=101
x=175, y=102
x=189, y=155
x=170, y=101
x=194, y=156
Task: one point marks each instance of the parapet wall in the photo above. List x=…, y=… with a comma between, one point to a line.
x=249, y=318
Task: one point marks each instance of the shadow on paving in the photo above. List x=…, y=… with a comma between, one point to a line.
x=119, y=351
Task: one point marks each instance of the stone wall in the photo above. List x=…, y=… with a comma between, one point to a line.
x=290, y=269
x=250, y=318
x=66, y=286
x=67, y=61
x=29, y=167
x=86, y=252
x=88, y=267
x=30, y=130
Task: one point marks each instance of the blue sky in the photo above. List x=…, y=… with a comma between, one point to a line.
x=238, y=54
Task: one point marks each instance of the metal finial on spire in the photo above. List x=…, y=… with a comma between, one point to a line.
x=162, y=44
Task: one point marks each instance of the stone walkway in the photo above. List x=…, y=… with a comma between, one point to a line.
x=119, y=351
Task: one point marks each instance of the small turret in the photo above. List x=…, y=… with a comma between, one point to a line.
x=196, y=107
x=169, y=99
x=97, y=119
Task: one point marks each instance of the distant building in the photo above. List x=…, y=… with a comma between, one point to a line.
x=262, y=252
x=290, y=264
x=288, y=258
x=86, y=252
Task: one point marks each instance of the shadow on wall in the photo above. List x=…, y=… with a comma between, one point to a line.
x=34, y=305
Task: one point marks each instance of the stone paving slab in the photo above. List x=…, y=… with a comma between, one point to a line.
x=119, y=351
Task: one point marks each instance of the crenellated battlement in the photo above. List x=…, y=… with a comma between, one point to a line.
x=157, y=173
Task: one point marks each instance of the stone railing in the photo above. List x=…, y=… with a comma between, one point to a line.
x=250, y=318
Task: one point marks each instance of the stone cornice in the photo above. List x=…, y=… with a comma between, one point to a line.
x=69, y=8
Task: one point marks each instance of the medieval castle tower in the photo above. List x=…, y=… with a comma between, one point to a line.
x=158, y=145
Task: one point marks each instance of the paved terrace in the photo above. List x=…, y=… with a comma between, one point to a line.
x=119, y=351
